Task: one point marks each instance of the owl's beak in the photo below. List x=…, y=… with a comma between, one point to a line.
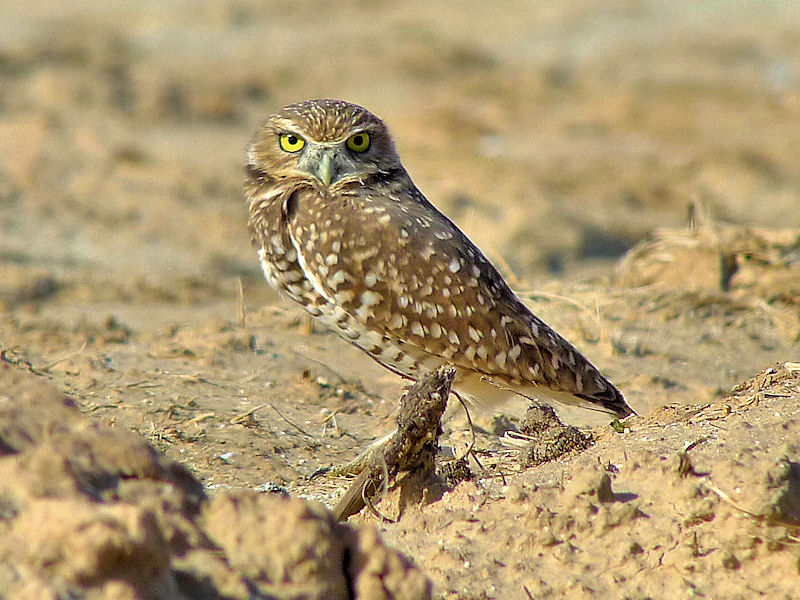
x=325, y=163
x=325, y=171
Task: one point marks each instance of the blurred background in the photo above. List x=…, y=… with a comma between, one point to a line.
x=556, y=134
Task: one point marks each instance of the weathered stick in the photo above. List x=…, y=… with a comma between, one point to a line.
x=411, y=446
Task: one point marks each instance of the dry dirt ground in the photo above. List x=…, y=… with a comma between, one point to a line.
x=631, y=167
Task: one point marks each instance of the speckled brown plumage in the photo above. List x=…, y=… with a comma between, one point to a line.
x=349, y=236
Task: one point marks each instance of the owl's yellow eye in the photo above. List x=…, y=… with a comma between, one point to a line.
x=291, y=142
x=359, y=142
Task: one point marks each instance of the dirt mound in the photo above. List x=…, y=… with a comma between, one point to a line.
x=763, y=262
x=692, y=500
x=95, y=512
x=733, y=268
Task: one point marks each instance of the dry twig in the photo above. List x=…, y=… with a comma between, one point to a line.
x=50, y=365
x=246, y=416
x=295, y=425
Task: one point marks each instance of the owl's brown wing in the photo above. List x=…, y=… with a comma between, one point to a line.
x=390, y=263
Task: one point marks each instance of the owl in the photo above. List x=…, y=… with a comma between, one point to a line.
x=341, y=229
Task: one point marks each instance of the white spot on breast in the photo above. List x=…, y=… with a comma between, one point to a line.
x=514, y=353
x=436, y=330
x=336, y=246
x=370, y=279
x=416, y=329
x=336, y=279
x=474, y=334
x=453, y=337
x=365, y=254
x=370, y=298
x=344, y=296
x=482, y=352
x=469, y=353
x=454, y=266
x=331, y=259
x=500, y=359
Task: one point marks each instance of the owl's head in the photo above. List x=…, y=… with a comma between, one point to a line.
x=331, y=141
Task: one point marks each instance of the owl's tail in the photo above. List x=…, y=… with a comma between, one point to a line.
x=611, y=401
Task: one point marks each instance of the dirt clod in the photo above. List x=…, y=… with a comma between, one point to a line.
x=549, y=437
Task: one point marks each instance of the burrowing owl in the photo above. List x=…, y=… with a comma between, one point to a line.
x=341, y=229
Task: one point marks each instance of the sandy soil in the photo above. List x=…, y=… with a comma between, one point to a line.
x=632, y=169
